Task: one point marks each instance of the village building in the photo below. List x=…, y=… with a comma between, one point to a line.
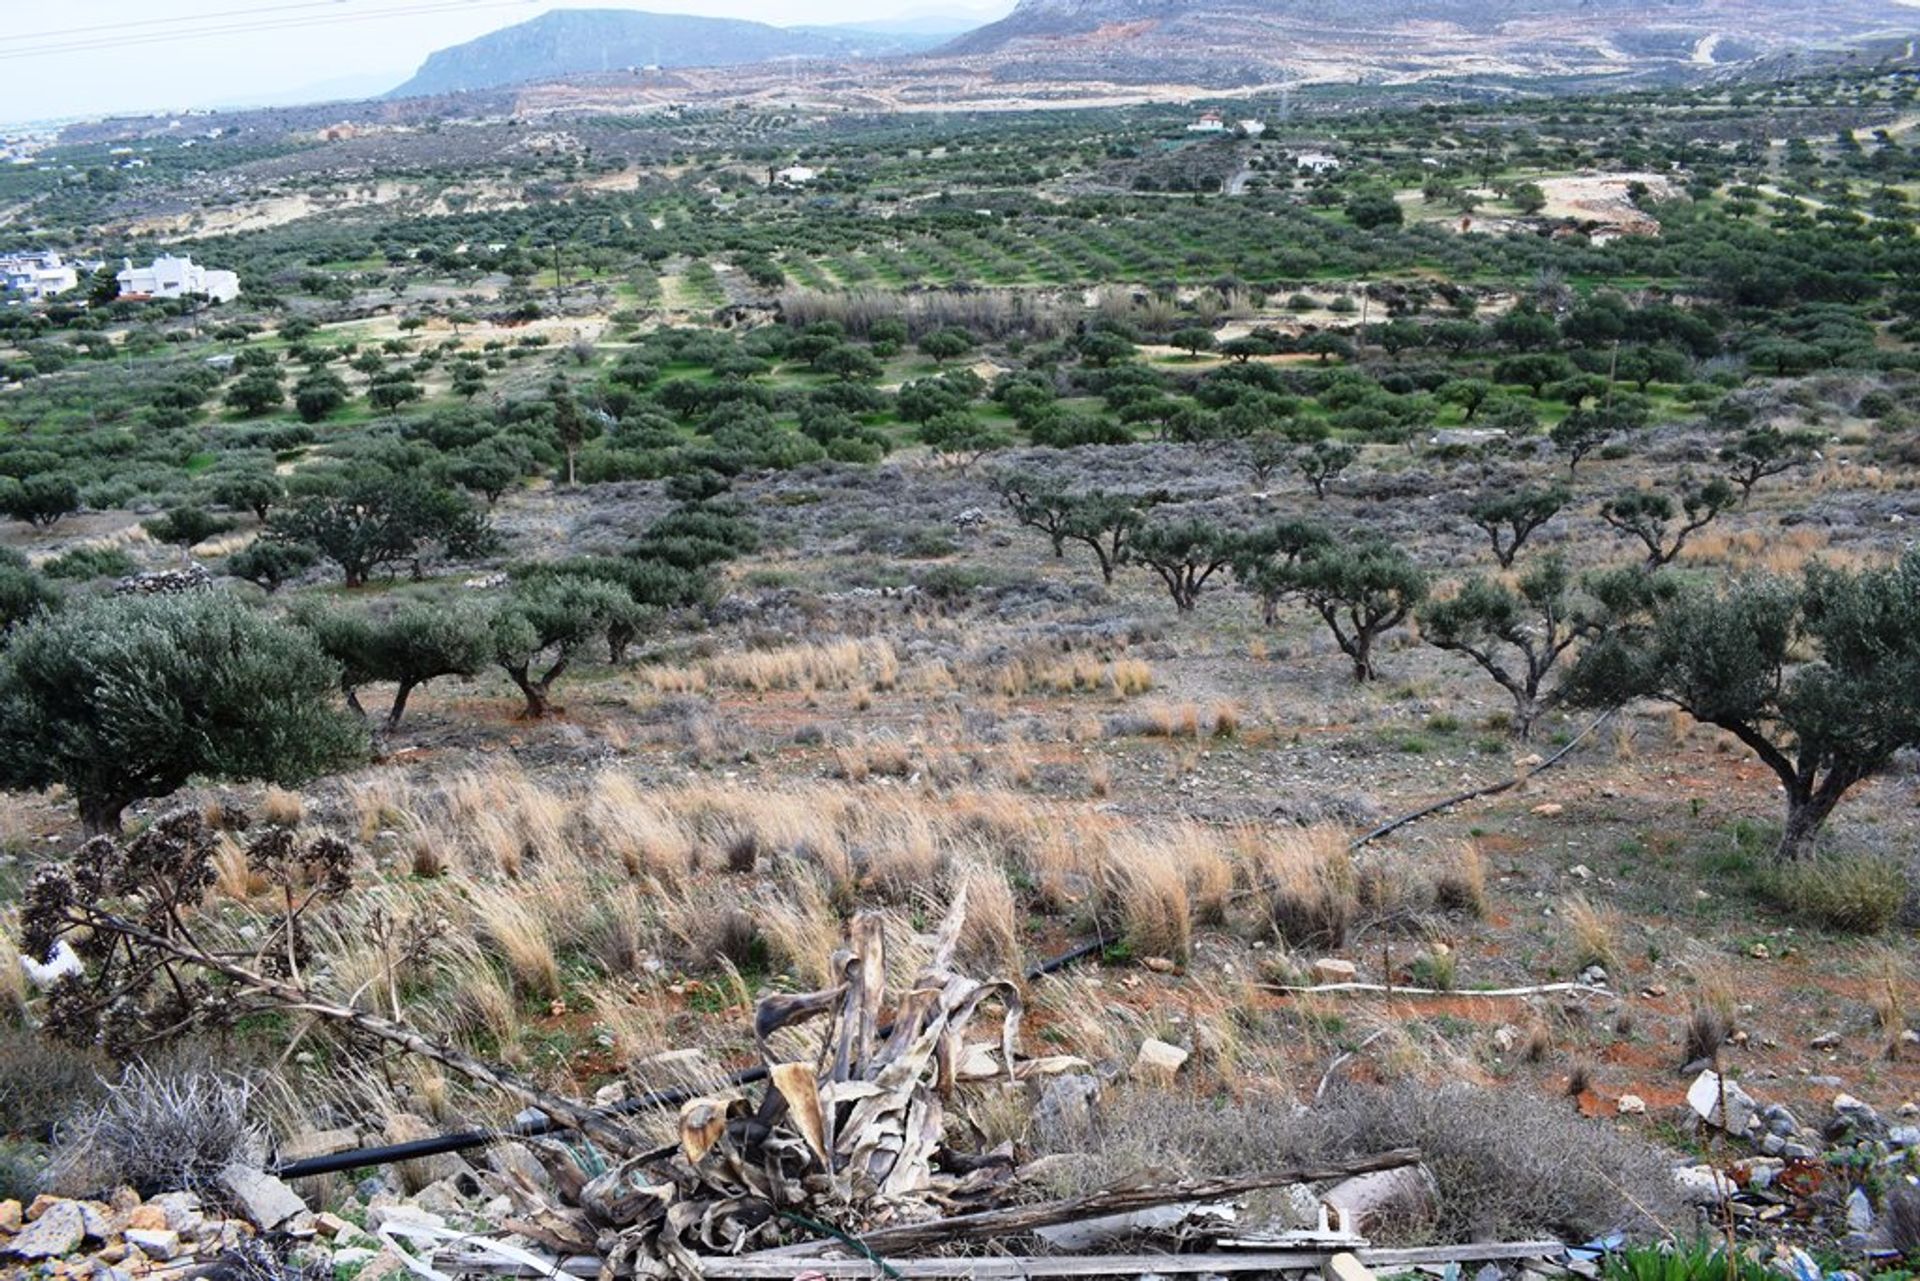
x=1316, y=162
x=1211, y=122
x=171, y=277
x=36, y=274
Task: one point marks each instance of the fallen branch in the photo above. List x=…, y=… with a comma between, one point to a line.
x=298, y=1000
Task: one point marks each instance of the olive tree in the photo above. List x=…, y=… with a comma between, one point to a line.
x=129, y=698
x=1662, y=526
x=1185, y=554
x=414, y=644
x=1324, y=460
x=1517, y=634
x=1361, y=592
x=1819, y=678
x=41, y=499
x=1510, y=517
x=550, y=621
x=382, y=520
x=1764, y=452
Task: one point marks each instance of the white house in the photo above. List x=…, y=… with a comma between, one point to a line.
x=1316, y=162
x=1253, y=128
x=171, y=277
x=795, y=176
x=1211, y=122
x=36, y=275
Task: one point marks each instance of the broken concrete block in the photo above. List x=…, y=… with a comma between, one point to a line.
x=1705, y=1095
x=1404, y=1196
x=1703, y=1185
x=263, y=1200
x=1344, y=1266
x=1159, y=1061
x=1329, y=969
x=57, y=1232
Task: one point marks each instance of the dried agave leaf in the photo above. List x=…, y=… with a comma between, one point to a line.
x=801, y=1089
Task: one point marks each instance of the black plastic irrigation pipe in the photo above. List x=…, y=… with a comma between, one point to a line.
x=538, y=1126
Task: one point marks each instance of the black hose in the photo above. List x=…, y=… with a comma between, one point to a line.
x=537, y=1127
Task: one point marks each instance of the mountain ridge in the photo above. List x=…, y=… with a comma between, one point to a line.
x=1248, y=41
x=573, y=42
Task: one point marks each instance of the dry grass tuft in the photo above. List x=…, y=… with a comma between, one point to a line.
x=1312, y=890
x=990, y=941
x=1594, y=931
x=522, y=937
x=282, y=808
x=1460, y=881
x=802, y=930
x=1148, y=890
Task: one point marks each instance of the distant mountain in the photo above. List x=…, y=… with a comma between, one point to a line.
x=569, y=42
x=1229, y=42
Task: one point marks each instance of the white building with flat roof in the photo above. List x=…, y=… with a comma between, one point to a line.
x=36, y=274
x=171, y=277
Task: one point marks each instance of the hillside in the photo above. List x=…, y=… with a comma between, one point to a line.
x=571, y=42
x=1229, y=42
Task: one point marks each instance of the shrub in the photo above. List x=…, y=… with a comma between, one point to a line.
x=1851, y=894
x=1507, y=1164
x=85, y=563
x=40, y=1083
x=129, y=698
x=156, y=1131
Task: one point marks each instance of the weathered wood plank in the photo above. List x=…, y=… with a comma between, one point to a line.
x=762, y=1267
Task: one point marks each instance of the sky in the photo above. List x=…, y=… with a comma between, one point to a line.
x=94, y=57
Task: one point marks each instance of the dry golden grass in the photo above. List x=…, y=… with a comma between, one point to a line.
x=1148, y=888
x=13, y=978
x=521, y=934
x=282, y=808
x=379, y=799
x=232, y=878
x=1460, y=879
x=1311, y=884
x=636, y=1020
x=990, y=940
x=1593, y=932
x=1892, y=980
x=801, y=928
x=634, y=829
x=1099, y=776
x=483, y=1002
x=835, y=665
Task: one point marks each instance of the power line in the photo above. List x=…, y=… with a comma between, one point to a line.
x=131, y=23
x=285, y=23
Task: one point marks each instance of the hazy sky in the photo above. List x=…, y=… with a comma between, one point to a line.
x=84, y=57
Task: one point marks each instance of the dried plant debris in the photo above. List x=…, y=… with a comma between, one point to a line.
x=853, y=1137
